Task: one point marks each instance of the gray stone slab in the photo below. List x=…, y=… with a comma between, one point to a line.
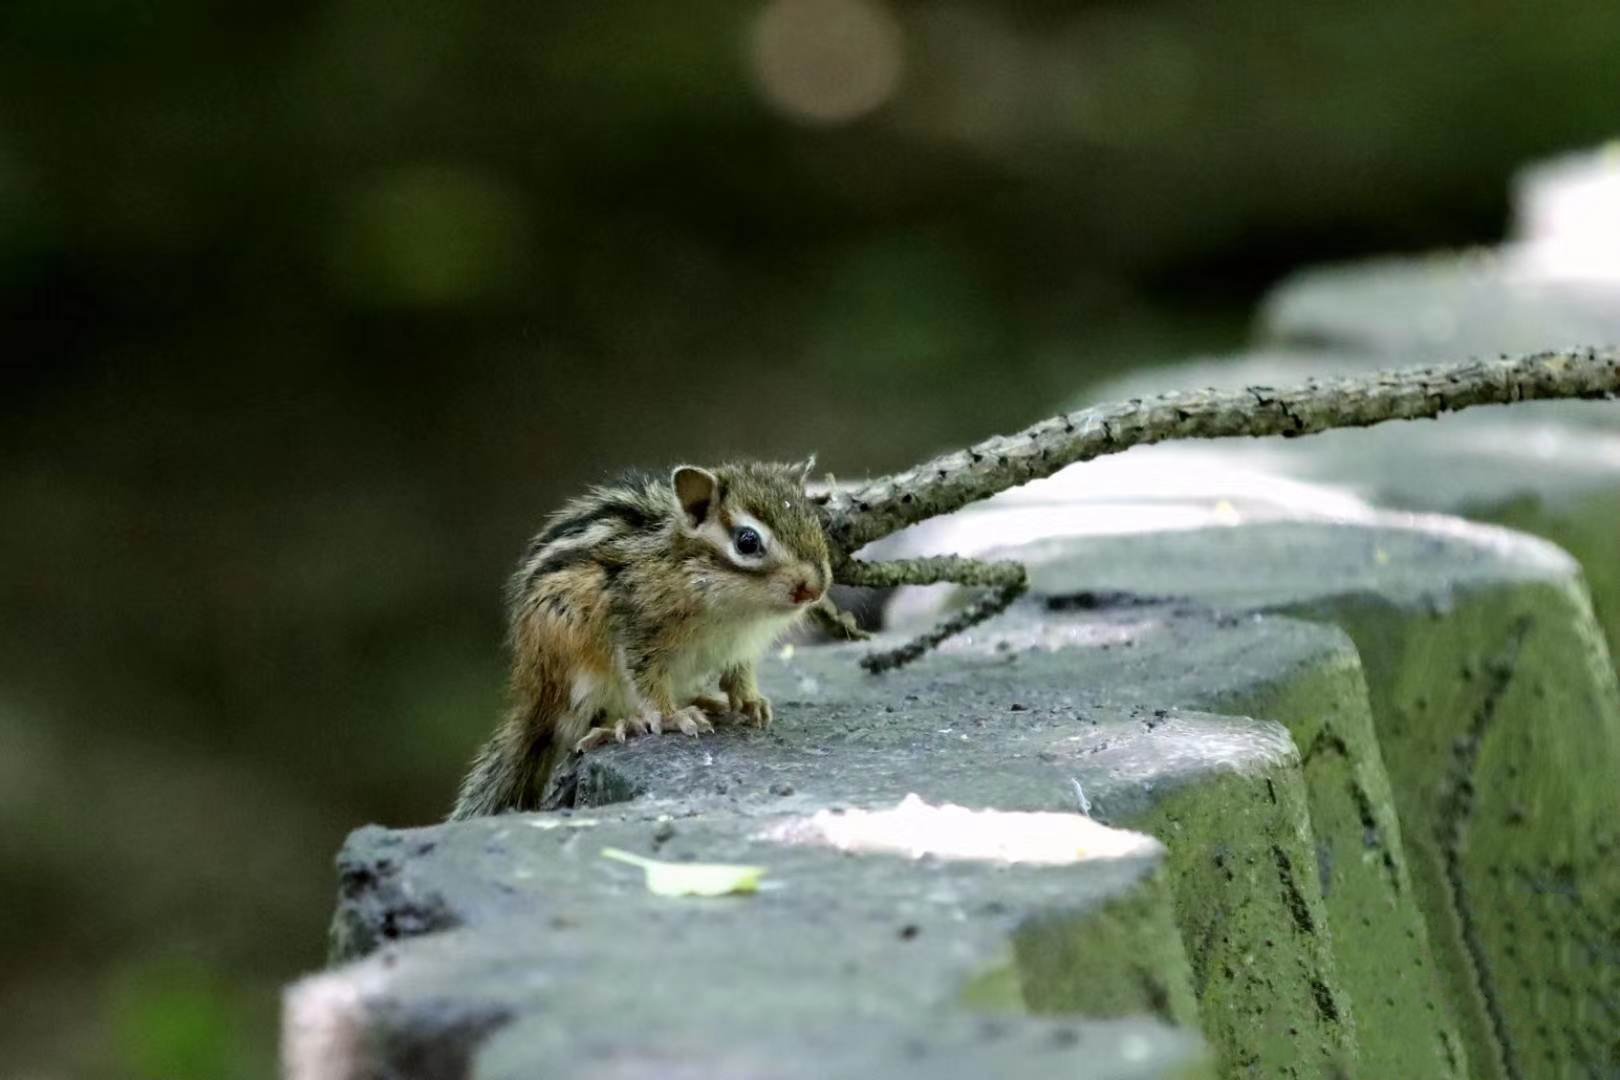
x=1439, y=307
x=1308, y=678
x=1013, y=721
x=979, y=733
x=1499, y=721
x=545, y=959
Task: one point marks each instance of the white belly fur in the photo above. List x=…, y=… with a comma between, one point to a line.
x=697, y=668
x=693, y=671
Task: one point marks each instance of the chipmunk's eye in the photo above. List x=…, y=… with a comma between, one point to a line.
x=747, y=541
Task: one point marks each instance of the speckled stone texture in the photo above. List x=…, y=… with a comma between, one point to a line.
x=1285, y=879
x=1245, y=857
x=1219, y=688
x=544, y=959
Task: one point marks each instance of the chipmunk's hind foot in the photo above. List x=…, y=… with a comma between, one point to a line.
x=688, y=720
x=755, y=709
x=622, y=729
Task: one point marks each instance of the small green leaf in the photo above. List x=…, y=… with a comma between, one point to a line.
x=691, y=879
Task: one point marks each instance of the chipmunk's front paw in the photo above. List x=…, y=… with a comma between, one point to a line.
x=755, y=708
x=714, y=706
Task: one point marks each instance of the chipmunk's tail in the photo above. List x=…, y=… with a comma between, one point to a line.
x=510, y=771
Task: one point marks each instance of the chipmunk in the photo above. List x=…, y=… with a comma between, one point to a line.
x=630, y=603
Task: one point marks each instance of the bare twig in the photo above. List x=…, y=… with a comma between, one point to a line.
x=890, y=503
x=930, y=571
x=836, y=624
x=1006, y=578
x=947, y=483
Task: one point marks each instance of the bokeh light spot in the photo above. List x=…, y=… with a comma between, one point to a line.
x=827, y=61
x=1568, y=216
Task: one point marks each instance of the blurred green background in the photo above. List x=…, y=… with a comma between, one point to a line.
x=312, y=310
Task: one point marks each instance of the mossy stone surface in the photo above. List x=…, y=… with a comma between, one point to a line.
x=1498, y=717
x=1307, y=677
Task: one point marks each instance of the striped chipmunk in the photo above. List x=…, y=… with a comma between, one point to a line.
x=633, y=602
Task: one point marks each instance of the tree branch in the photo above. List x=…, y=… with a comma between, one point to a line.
x=1006, y=578
x=854, y=519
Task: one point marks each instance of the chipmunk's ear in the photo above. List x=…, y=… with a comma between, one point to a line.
x=804, y=469
x=697, y=490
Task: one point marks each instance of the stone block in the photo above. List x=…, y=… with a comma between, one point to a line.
x=1439, y=307
x=1499, y=721
x=1012, y=719
x=542, y=958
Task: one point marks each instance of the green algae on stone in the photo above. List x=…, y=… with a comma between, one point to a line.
x=1058, y=957
x=1404, y=1019
x=1502, y=727
x=1250, y=912
x=1588, y=527
x=1499, y=721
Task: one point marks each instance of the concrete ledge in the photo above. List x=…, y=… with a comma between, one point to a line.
x=1308, y=678
x=1009, y=721
x=1439, y=306
x=1539, y=467
x=550, y=960
x=1292, y=903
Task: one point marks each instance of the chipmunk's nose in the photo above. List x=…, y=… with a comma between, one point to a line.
x=806, y=591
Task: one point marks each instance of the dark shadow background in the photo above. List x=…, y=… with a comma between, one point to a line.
x=312, y=310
